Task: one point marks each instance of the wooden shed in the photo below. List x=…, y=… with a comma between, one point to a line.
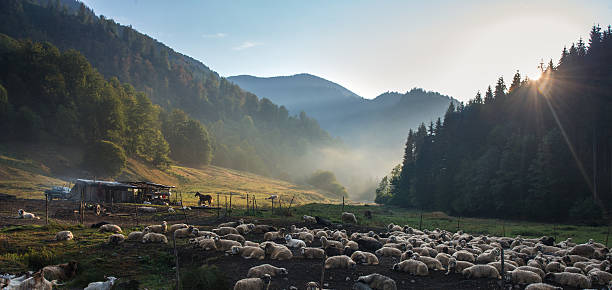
x=150, y=191
x=99, y=191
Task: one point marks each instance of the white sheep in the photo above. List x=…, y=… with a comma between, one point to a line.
x=244, y=229
x=136, y=235
x=488, y=257
x=253, y=283
x=266, y=269
x=524, y=277
x=278, y=252
x=160, y=229
x=325, y=243
x=309, y=219
x=294, y=243
x=174, y=227
x=481, y=271
x=147, y=209
x=464, y=255
x=378, y=282
x=154, y=238
x=27, y=215
x=313, y=253
x=234, y=237
x=110, y=228
x=306, y=237
x=432, y=263
x=341, y=261
x=542, y=286
x=106, y=285
x=249, y=252
x=349, y=218
x=225, y=245
x=388, y=252
x=366, y=258
x=188, y=232
x=64, y=236
x=116, y=239
x=413, y=267
x=569, y=279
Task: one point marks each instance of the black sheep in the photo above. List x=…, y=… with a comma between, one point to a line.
x=323, y=221
x=370, y=245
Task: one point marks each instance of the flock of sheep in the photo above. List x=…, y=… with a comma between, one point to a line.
x=526, y=262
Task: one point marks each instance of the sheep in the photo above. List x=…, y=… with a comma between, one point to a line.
x=271, y=236
x=244, y=229
x=116, y=239
x=251, y=244
x=455, y=266
x=569, y=279
x=443, y=258
x=110, y=228
x=463, y=255
x=147, y=209
x=37, y=281
x=294, y=243
x=160, y=229
x=190, y=231
x=306, y=237
x=171, y=210
x=480, y=271
x=323, y=221
x=378, y=282
x=338, y=262
x=249, y=252
x=325, y=243
x=154, y=238
x=266, y=269
x=278, y=252
x=309, y=219
x=532, y=269
x=231, y=224
x=235, y=237
x=313, y=253
x=414, y=267
x=98, y=225
x=349, y=218
x=542, y=286
x=600, y=277
x=261, y=229
x=585, y=250
x=388, y=252
x=432, y=263
x=524, y=277
x=175, y=227
x=507, y=266
x=573, y=270
x=364, y=258
x=485, y=258
x=61, y=272
x=225, y=245
x=394, y=228
x=352, y=245
x=137, y=235
x=312, y=286
x=64, y=236
x=106, y=285
x=554, y=267
x=253, y=283
x=571, y=259
x=27, y=215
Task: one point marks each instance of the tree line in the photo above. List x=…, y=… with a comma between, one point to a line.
x=538, y=149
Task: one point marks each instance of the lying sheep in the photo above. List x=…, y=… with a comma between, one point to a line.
x=507, y=266
x=154, y=238
x=106, y=285
x=573, y=270
x=61, y=272
x=266, y=269
x=480, y=271
x=388, y=252
x=532, y=269
x=339, y=262
x=249, y=252
x=271, y=236
x=175, y=227
x=412, y=267
x=352, y=245
x=64, y=236
x=313, y=253
x=463, y=255
x=207, y=244
x=585, y=250
x=366, y=258
x=160, y=229
x=309, y=219
x=349, y=218
x=488, y=257
x=261, y=229
x=306, y=237
x=554, y=267
x=110, y=228
x=368, y=244
x=234, y=237
x=378, y=282
x=188, y=232
x=225, y=245
x=542, y=286
x=312, y=286
x=444, y=258
x=137, y=235
x=569, y=279
x=27, y=215
x=244, y=229
x=599, y=277
x=278, y=252
x=253, y=283
x=524, y=277
x=116, y=239
x=231, y=224
x=251, y=244
x=37, y=281
x=325, y=243
x=394, y=228
x=294, y=243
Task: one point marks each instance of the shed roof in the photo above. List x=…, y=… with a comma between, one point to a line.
x=104, y=183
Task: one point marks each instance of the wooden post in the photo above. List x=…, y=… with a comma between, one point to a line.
x=82, y=205
x=272, y=200
x=255, y=199
x=607, y=235
x=458, y=223
x=225, y=205
x=322, y=276
x=503, y=228
x=230, y=206
x=247, y=203
x=280, y=205
x=503, y=270
x=218, y=205
x=421, y=221
x=46, y=209
x=343, y=203
x=136, y=216
x=184, y=209
x=289, y=209
x=176, y=259
x=555, y=231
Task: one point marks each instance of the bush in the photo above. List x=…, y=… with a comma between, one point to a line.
x=204, y=277
x=104, y=158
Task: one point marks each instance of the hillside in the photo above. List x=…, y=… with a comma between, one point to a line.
x=27, y=176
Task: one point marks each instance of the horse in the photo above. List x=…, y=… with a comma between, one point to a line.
x=204, y=198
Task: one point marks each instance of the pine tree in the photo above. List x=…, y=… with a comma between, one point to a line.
x=516, y=81
x=488, y=96
x=478, y=98
x=500, y=88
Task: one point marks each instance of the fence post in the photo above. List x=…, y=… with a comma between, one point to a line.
x=343, y=203
x=218, y=205
x=607, y=234
x=46, y=209
x=247, y=204
x=82, y=205
x=458, y=223
x=230, y=206
x=421, y=221
x=225, y=205
x=503, y=270
x=290, y=203
x=555, y=231
x=503, y=228
x=272, y=200
x=280, y=205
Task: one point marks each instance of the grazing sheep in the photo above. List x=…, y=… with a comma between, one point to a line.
x=253, y=283
x=27, y=215
x=309, y=219
x=175, y=227
x=524, y=277
x=488, y=257
x=110, y=228
x=294, y=243
x=160, y=229
x=542, y=286
x=569, y=279
x=188, y=232
x=61, y=272
x=339, y=262
x=106, y=285
x=225, y=245
x=313, y=253
x=154, y=238
x=378, y=282
x=278, y=252
x=480, y=271
x=413, y=267
x=271, y=236
x=64, y=236
x=249, y=252
x=599, y=277
x=366, y=258
x=388, y=252
x=116, y=239
x=266, y=269
x=349, y=218
x=244, y=229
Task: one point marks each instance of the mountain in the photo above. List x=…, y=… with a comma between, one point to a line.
x=373, y=130
x=248, y=133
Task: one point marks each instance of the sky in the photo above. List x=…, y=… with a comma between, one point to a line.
x=369, y=47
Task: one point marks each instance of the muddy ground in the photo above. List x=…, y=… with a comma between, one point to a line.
x=235, y=268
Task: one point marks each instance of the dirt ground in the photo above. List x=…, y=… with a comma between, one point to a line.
x=235, y=268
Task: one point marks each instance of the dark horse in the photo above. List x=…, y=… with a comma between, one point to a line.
x=204, y=198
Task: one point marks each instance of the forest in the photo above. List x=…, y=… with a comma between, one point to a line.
x=179, y=103
x=538, y=149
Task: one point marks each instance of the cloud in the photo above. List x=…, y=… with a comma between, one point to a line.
x=215, y=35
x=246, y=44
